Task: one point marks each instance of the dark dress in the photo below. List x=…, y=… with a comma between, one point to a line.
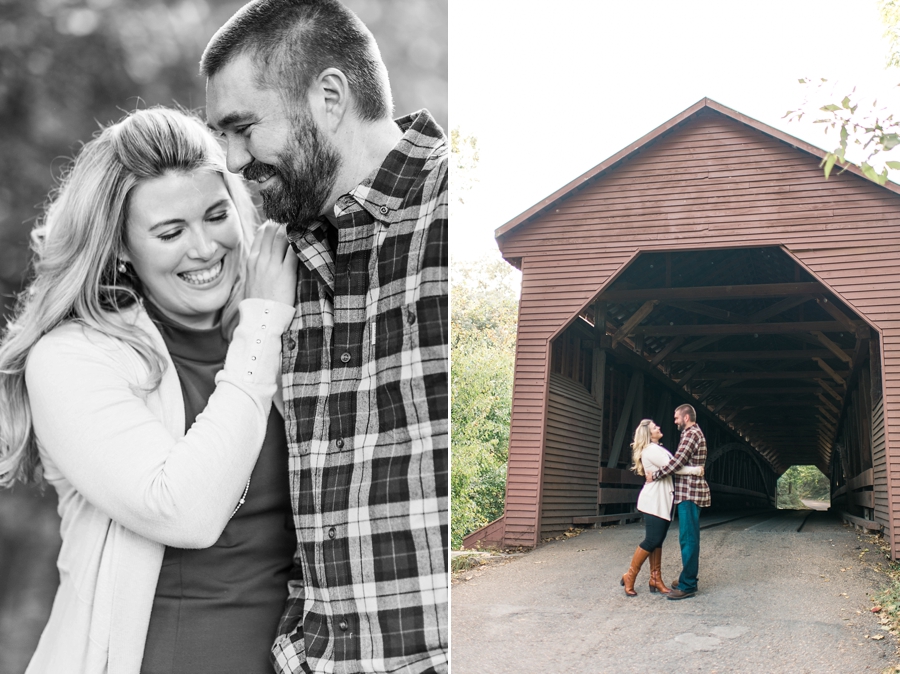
x=216, y=610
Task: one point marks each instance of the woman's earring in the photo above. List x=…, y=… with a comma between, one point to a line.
x=121, y=266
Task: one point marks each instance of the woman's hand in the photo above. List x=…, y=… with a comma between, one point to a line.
x=272, y=266
x=702, y=471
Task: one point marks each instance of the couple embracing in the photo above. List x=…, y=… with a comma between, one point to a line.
x=246, y=425
x=659, y=497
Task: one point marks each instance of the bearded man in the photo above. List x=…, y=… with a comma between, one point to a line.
x=299, y=92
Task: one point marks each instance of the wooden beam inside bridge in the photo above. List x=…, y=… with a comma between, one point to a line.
x=738, y=328
x=748, y=410
x=783, y=374
x=714, y=292
x=834, y=375
x=629, y=325
x=716, y=356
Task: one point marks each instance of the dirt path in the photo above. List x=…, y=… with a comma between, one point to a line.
x=771, y=600
x=815, y=505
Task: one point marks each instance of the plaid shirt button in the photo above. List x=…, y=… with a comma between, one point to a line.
x=384, y=210
x=339, y=443
x=411, y=318
x=332, y=533
x=343, y=625
x=345, y=357
x=291, y=344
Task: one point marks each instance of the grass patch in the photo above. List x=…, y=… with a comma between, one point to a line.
x=465, y=562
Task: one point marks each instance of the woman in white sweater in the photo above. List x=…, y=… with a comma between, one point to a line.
x=138, y=378
x=655, y=501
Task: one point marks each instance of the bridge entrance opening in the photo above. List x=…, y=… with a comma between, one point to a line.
x=781, y=371
x=803, y=488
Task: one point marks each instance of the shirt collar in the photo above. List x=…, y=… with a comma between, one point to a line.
x=383, y=192
x=315, y=252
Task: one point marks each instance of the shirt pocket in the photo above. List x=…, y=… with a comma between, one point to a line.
x=411, y=355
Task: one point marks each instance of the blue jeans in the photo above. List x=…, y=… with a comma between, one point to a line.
x=689, y=538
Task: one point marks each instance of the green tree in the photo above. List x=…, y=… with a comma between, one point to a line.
x=482, y=338
x=802, y=482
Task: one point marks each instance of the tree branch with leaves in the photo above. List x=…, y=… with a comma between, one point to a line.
x=866, y=132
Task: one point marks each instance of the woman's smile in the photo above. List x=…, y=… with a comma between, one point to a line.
x=204, y=277
x=180, y=233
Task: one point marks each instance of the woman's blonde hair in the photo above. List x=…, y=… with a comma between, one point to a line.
x=641, y=440
x=76, y=244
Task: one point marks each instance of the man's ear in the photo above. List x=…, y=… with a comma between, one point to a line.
x=330, y=96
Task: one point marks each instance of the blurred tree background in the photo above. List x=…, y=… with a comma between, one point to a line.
x=69, y=66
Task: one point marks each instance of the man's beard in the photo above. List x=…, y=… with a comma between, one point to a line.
x=679, y=425
x=306, y=174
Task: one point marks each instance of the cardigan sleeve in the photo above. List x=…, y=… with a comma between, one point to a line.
x=689, y=470
x=95, y=424
x=656, y=456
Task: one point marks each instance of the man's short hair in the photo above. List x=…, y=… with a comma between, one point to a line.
x=291, y=41
x=687, y=410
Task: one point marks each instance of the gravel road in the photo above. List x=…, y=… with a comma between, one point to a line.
x=771, y=600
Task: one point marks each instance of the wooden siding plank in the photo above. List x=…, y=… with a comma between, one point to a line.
x=864, y=479
x=571, y=458
x=862, y=498
x=608, y=495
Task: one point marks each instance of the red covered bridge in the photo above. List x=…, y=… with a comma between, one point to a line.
x=709, y=262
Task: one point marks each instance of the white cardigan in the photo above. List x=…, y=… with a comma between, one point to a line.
x=656, y=497
x=129, y=480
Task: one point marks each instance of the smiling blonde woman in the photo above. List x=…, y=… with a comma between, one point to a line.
x=138, y=378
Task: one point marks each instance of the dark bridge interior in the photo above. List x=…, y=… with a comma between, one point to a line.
x=780, y=371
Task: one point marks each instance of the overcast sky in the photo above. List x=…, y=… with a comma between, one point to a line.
x=552, y=89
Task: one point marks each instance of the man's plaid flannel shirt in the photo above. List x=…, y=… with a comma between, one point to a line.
x=691, y=452
x=365, y=377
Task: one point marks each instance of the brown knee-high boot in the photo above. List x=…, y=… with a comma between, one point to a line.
x=656, y=581
x=640, y=556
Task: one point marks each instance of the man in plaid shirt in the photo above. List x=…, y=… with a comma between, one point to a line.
x=691, y=494
x=299, y=92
